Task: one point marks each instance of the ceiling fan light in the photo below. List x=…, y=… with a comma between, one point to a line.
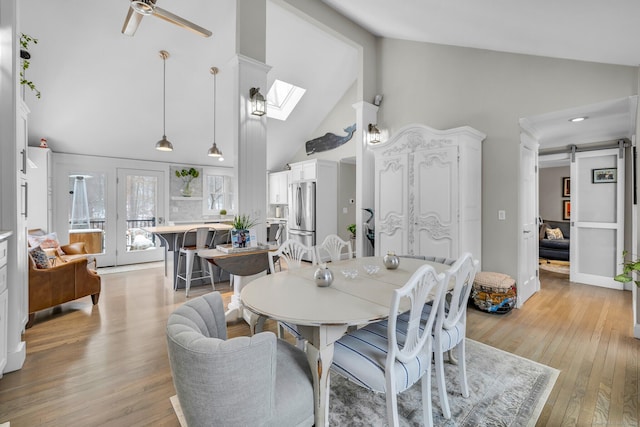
x=164, y=144
x=142, y=7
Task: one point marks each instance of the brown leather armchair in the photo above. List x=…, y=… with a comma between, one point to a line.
x=68, y=279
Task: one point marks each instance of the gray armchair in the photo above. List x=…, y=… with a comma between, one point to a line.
x=256, y=380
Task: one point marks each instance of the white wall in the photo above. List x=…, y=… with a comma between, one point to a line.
x=343, y=115
x=446, y=86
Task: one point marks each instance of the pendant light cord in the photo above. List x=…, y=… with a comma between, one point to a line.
x=164, y=96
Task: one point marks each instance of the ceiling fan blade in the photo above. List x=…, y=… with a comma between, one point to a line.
x=131, y=23
x=181, y=22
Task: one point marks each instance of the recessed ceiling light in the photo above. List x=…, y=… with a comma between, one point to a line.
x=578, y=119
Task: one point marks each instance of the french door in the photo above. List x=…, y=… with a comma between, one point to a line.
x=528, y=281
x=597, y=217
x=140, y=205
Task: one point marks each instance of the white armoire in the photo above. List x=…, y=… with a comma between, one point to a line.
x=428, y=192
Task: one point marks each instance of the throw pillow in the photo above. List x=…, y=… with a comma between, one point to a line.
x=45, y=241
x=40, y=258
x=554, y=234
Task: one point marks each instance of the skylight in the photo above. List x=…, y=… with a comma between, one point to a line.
x=282, y=99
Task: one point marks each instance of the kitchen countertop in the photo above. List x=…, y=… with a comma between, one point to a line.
x=4, y=234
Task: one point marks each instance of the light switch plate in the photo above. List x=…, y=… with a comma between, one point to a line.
x=502, y=215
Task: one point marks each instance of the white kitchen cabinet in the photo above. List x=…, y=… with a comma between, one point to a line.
x=428, y=187
x=278, y=184
x=40, y=195
x=304, y=171
x=4, y=304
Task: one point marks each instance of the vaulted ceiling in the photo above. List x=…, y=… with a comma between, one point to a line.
x=102, y=91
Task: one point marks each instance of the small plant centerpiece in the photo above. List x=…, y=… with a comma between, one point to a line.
x=628, y=267
x=243, y=222
x=223, y=212
x=187, y=175
x=240, y=236
x=25, y=41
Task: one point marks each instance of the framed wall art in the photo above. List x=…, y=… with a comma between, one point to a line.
x=566, y=186
x=566, y=209
x=600, y=176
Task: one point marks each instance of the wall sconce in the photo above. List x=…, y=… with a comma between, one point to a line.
x=374, y=134
x=258, y=106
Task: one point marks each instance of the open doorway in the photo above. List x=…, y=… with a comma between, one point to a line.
x=603, y=125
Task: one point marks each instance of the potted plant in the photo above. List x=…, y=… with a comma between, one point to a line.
x=25, y=41
x=187, y=175
x=223, y=212
x=240, y=234
x=628, y=267
x=352, y=230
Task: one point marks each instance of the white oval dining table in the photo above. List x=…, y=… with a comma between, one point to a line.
x=324, y=314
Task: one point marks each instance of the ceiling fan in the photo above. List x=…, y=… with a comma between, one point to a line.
x=140, y=8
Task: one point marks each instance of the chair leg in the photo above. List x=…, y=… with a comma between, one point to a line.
x=210, y=267
x=442, y=388
x=175, y=282
x=189, y=272
x=392, y=405
x=427, y=407
x=462, y=368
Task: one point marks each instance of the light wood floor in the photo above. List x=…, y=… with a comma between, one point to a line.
x=108, y=366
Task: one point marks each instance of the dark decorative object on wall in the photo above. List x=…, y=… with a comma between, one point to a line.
x=329, y=141
x=566, y=187
x=370, y=228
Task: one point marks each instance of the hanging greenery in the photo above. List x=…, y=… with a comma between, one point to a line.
x=25, y=42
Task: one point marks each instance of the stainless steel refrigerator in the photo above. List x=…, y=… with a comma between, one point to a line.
x=302, y=213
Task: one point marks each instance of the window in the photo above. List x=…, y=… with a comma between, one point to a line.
x=282, y=99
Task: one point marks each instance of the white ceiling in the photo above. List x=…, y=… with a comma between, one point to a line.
x=586, y=30
x=102, y=90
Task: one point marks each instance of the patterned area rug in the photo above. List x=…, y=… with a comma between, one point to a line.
x=506, y=390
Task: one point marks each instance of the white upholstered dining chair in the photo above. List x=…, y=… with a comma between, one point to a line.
x=292, y=252
x=335, y=247
x=242, y=381
x=391, y=355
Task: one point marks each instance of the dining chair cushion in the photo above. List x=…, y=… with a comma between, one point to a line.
x=359, y=352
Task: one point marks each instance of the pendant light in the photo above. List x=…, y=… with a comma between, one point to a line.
x=214, y=151
x=164, y=144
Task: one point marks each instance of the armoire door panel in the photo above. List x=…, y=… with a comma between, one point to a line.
x=391, y=181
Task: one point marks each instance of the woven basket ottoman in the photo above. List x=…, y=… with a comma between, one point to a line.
x=493, y=292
